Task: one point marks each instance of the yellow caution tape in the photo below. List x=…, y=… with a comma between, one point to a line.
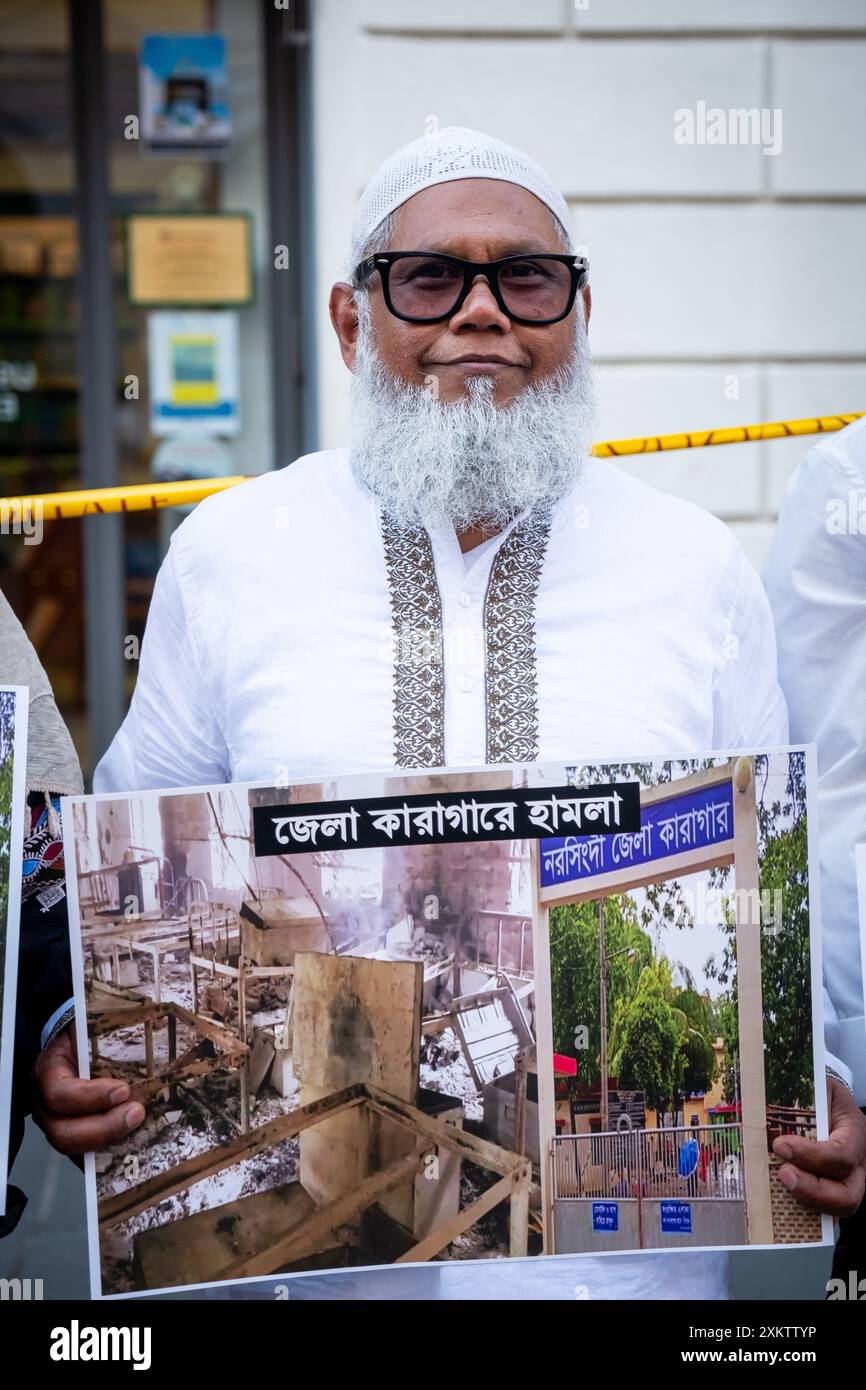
x=138, y=497
x=141, y=497
x=737, y=434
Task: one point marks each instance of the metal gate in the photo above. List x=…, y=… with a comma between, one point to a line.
x=630, y=1177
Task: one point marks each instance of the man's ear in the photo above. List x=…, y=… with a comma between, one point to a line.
x=587, y=304
x=344, y=317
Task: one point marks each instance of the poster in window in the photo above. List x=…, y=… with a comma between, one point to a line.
x=184, y=92
x=193, y=373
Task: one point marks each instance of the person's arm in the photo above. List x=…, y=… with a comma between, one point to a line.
x=835, y=1066
x=44, y=1003
x=816, y=580
x=171, y=736
x=748, y=705
x=75, y=1115
x=826, y=1175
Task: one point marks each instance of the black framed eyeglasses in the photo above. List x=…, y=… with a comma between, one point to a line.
x=426, y=287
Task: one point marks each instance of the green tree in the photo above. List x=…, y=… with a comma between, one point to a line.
x=575, y=975
x=663, y=1042
x=729, y=1033
x=785, y=947
x=648, y=1036
x=697, y=1067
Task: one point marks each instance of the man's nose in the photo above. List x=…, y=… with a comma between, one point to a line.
x=479, y=309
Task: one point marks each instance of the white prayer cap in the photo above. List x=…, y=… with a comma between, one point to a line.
x=449, y=154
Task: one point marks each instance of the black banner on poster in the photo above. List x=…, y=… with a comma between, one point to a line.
x=447, y=818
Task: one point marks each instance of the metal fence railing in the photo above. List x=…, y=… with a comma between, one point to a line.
x=788, y=1119
x=694, y=1162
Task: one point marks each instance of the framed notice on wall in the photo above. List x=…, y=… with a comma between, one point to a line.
x=193, y=373
x=179, y=260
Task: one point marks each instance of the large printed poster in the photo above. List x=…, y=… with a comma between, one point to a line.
x=499, y=1013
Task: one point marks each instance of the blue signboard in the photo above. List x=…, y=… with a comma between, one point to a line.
x=605, y=1216
x=693, y=820
x=676, y=1218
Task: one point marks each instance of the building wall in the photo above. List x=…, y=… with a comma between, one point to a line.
x=728, y=284
x=792, y=1223
x=464, y=878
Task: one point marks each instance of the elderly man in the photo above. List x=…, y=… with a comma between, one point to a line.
x=465, y=585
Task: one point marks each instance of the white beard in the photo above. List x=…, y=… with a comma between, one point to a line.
x=469, y=462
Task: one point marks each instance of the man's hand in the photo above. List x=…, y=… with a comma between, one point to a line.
x=828, y=1175
x=80, y=1116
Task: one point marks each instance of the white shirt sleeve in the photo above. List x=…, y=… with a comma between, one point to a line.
x=171, y=736
x=816, y=580
x=832, y=1048
x=749, y=707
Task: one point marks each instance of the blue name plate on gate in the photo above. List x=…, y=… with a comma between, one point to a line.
x=605, y=1216
x=676, y=1218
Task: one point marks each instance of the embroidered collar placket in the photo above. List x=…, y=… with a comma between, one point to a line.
x=508, y=636
x=419, y=674
x=511, y=668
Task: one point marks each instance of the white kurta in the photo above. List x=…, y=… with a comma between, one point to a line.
x=635, y=628
x=816, y=579
x=292, y=635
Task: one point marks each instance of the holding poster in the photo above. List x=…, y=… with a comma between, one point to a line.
x=358, y=1019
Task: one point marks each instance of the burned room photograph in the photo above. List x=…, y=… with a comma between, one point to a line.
x=335, y=1049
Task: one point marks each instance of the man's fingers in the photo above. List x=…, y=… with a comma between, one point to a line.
x=86, y=1134
x=61, y=1090
x=828, y=1175
x=63, y=1094
x=823, y=1194
x=827, y=1158
x=80, y=1116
